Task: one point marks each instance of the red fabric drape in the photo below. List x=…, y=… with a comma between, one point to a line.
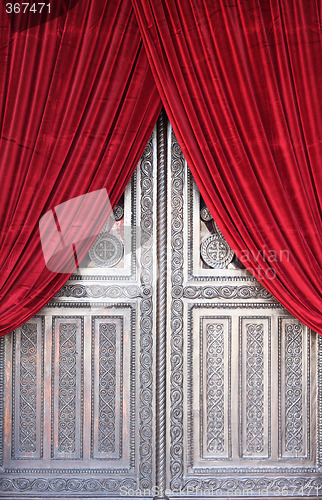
x=241, y=83
x=77, y=106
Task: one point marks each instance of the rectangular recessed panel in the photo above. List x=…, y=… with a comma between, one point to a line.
x=107, y=386
x=67, y=390
x=254, y=380
x=294, y=388
x=28, y=390
x=215, y=389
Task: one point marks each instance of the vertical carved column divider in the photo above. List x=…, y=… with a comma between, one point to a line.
x=161, y=308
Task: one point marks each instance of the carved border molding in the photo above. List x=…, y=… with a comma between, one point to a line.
x=161, y=309
x=176, y=378
x=146, y=320
x=278, y=486
x=87, y=305
x=238, y=305
x=227, y=292
x=72, y=485
x=98, y=291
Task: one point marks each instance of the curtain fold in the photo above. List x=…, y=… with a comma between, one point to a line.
x=77, y=106
x=241, y=83
x=80, y=94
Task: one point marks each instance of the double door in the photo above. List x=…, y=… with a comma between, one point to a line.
x=161, y=364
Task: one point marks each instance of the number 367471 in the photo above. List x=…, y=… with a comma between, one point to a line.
x=23, y=8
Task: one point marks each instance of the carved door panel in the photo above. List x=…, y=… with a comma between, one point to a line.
x=162, y=363
x=78, y=380
x=243, y=376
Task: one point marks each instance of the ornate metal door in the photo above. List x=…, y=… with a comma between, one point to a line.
x=162, y=364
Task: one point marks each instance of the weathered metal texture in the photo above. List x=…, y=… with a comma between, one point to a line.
x=161, y=308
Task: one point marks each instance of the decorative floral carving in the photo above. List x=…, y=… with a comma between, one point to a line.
x=293, y=388
x=215, y=387
x=107, y=387
x=226, y=292
x=255, y=388
x=67, y=388
x=146, y=321
x=96, y=291
x=28, y=388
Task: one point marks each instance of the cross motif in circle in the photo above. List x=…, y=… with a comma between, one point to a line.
x=105, y=249
x=217, y=251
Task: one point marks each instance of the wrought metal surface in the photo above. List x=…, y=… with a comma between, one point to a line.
x=205, y=214
x=106, y=251
x=176, y=339
x=146, y=393
x=107, y=387
x=28, y=371
x=216, y=252
x=118, y=212
x=161, y=313
x=215, y=387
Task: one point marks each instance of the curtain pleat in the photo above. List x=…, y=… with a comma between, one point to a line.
x=241, y=84
x=77, y=105
x=80, y=93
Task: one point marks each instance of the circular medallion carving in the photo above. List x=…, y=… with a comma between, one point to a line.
x=118, y=212
x=216, y=252
x=205, y=215
x=106, y=251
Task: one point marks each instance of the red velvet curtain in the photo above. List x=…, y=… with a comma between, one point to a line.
x=242, y=83
x=77, y=106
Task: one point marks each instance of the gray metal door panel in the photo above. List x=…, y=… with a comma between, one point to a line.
x=243, y=376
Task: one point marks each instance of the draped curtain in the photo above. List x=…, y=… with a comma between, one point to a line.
x=77, y=106
x=242, y=83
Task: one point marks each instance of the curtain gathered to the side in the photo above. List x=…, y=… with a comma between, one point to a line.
x=78, y=103
x=242, y=83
